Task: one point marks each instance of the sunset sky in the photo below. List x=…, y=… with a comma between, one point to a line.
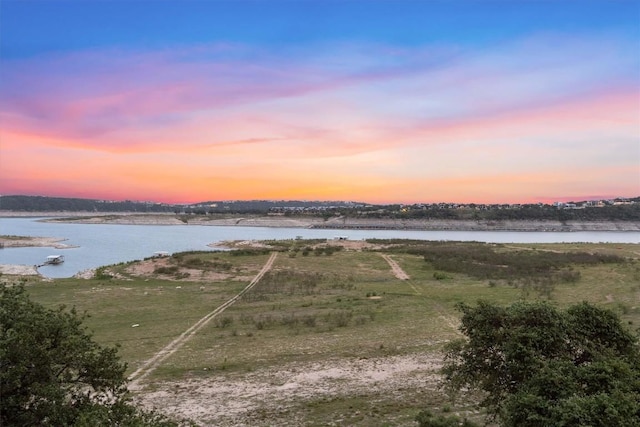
x=372, y=101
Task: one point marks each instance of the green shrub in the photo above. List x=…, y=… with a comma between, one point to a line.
x=438, y=275
x=339, y=318
x=101, y=274
x=166, y=269
x=427, y=419
x=223, y=322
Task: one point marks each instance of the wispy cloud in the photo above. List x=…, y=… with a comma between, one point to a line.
x=529, y=105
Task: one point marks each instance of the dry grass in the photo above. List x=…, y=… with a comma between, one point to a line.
x=323, y=339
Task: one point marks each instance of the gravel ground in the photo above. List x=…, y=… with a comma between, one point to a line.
x=19, y=270
x=274, y=396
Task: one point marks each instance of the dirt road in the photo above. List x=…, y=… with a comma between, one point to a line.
x=155, y=361
x=397, y=270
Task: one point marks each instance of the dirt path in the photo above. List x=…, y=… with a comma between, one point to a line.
x=155, y=361
x=397, y=270
x=402, y=275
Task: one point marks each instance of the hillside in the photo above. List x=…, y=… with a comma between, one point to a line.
x=620, y=210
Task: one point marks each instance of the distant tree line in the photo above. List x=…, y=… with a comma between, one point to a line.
x=328, y=209
x=629, y=212
x=65, y=204
x=61, y=204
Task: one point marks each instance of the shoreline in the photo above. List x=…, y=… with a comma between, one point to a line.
x=344, y=223
x=8, y=241
x=337, y=223
x=19, y=270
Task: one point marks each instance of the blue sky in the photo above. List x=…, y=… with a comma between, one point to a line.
x=33, y=27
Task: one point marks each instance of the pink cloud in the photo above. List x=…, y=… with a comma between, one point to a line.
x=339, y=120
x=87, y=95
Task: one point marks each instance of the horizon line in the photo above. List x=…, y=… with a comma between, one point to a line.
x=542, y=200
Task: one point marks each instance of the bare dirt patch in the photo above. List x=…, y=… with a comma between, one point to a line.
x=86, y=274
x=19, y=270
x=147, y=268
x=354, y=245
x=228, y=400
x=33, y=241
x=240, y=244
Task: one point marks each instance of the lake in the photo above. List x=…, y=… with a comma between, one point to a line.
x=104, y=244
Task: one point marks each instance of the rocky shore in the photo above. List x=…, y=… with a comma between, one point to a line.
x=23, y=242
x=32, y=241
x=19, y=270
x=470, y=225
x=349, y=223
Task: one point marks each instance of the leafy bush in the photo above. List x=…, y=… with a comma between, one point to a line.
x=53, y=374
x=173, y=269
x=223, y=322
x=540, y=366
x=339, y=318
x=249, y=252
x=102, y=274
x=427, y=419
x=193, y=262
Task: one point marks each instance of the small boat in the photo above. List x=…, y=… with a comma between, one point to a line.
x=54, y=259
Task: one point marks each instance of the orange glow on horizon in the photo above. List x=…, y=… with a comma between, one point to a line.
x=201, y=131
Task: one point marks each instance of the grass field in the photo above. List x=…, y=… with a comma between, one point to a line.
x=326, y=337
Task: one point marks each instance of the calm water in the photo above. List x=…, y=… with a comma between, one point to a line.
x=101, y=244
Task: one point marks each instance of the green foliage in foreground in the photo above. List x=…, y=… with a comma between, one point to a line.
x=428, y=419
x=53, y=374
x=541, y=366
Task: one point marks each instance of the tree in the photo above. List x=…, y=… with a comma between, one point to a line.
x=538, y=366
x=52, y=373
